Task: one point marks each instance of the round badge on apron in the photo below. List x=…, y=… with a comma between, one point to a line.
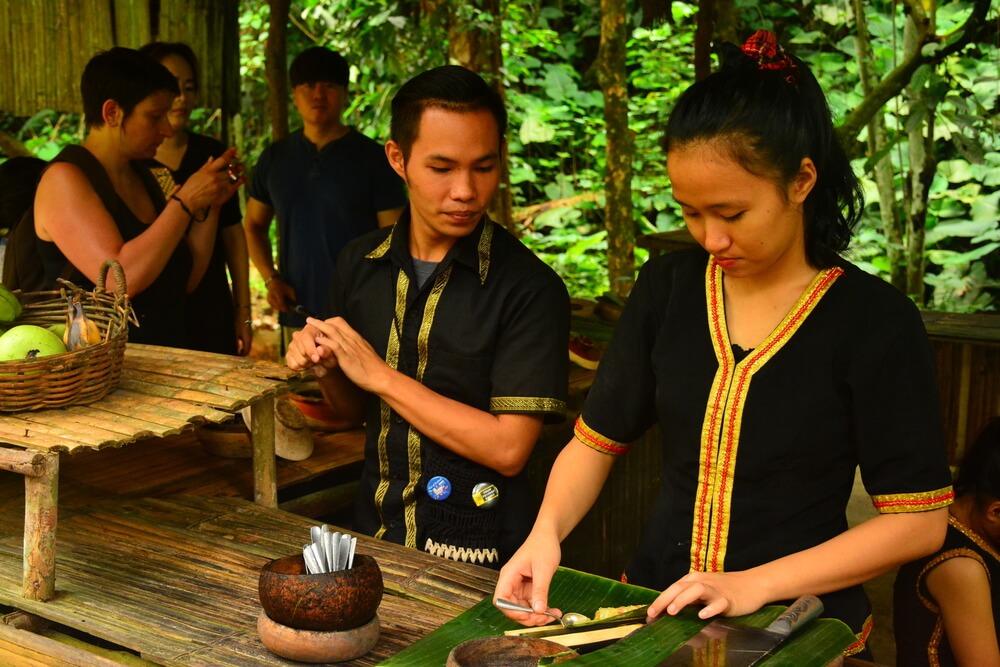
x=485, y=495
x=439, y=488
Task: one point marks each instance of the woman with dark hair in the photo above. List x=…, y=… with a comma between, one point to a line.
x=97, y=201
x=221, y=321
x=772, y=367
x=946, y=606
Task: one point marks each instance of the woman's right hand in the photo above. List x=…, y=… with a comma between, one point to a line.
x=526, y=577
x=210, y=185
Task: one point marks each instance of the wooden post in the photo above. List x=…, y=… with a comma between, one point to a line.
x=265, y=469
x=41, y=495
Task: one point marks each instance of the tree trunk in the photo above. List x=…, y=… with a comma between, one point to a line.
x=276, y=52
x=920, y=140
x=479, y=50
x=618, y=177
x=892, y=226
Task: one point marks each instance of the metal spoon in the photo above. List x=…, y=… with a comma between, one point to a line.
x=567, y=619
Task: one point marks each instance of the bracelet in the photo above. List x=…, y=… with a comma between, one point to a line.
x=249, y=323
x=273, y=276
x=188, y=211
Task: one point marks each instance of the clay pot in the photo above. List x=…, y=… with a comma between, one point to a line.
x=317, y=645
x=317, y=412
x=330, y=601
x=504, y=651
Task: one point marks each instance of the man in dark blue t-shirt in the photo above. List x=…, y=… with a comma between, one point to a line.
x=326, y=183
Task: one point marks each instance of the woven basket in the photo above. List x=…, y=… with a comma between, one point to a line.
x=77, y=377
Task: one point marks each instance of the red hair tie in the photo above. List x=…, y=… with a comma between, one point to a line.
x=763, y=47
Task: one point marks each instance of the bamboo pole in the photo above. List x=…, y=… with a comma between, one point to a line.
x=265, y=470
x=41, y=495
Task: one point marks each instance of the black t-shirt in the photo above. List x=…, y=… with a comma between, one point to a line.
x=489, y=328
x=759, y=454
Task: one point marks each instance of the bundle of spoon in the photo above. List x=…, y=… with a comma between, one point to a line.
x=329, y=551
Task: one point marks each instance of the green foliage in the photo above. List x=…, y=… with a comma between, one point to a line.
x=556, y=140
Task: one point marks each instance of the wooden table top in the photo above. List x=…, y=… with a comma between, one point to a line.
x=175, y=579
x=163, y=391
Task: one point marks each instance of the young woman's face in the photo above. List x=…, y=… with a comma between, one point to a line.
x=180, y=112
x=751, y=225
x=145, y=128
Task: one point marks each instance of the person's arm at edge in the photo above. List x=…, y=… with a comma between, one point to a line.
x=961, y=588
x=257, y=225
x=576, y=480
x=857, y=555
x=237, y=260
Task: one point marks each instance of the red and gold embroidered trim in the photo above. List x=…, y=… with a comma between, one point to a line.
x=924, y=501
x=862, y=638
x=724, y=414
x=595, y=440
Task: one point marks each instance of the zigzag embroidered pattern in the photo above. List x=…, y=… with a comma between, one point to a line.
x=461, y=554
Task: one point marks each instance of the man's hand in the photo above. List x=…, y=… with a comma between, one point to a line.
x=304, y=352
x=280, y=294
x=355, y=357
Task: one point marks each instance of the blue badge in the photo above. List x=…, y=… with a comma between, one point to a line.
x=439, y=488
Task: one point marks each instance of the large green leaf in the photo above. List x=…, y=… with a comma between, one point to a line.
x=817, y=645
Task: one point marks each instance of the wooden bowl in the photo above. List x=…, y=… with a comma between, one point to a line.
x=317, y=645
x=506, y=651
x=229, y=439
x=331, y=601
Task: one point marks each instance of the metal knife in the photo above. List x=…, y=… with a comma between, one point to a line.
x=723, y=643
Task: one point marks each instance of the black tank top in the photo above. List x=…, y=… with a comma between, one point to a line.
x=160, y=307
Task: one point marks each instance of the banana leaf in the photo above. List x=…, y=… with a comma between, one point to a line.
x=816, y=645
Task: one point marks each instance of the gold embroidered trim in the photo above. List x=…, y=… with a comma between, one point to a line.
x=383, y=247
x=164, y=179
x=484, y=251
x=595, y=440
x=969, y=533
x=526, y=404
x=461, y=554
x=924, y=501
x=724, y=414
x=385, y=412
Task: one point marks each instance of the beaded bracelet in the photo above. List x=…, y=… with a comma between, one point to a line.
x=188, y=211
x=273, y=276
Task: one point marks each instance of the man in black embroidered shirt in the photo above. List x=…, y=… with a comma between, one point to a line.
x=449, y=337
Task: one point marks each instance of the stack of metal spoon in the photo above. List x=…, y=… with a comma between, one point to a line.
x=329, y=551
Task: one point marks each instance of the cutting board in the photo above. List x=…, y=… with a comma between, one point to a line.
x=816, y=646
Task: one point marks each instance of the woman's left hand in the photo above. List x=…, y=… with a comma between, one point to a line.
x=725, y=593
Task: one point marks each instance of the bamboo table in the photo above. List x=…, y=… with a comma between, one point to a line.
x=163, y=391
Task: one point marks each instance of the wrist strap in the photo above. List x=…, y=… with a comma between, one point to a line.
x=193, y=217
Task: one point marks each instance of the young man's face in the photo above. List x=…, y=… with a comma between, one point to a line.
x=321, y=103
x=452, y=173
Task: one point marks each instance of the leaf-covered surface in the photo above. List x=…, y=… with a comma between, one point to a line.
x=818, y=644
